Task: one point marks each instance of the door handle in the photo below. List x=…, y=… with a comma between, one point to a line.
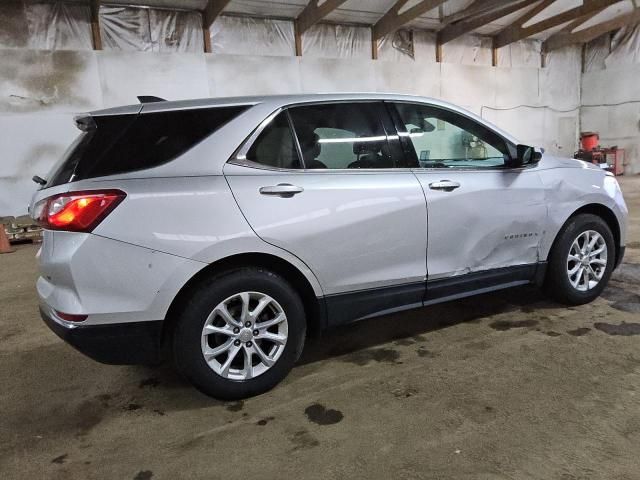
x=446, y=185
x=285, y=190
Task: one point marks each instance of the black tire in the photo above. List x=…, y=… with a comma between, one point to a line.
x=187, y=351
x=557, y=283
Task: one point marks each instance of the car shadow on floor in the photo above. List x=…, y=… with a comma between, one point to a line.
x=373, y=332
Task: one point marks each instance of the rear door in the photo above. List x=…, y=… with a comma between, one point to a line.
x=337, y=195
x=484, y=216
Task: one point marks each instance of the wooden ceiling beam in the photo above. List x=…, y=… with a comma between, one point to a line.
x=478, y=7
x=564, y=39
x=579, y=21
x=455, y=30
x=315, y=12
x=393, y=20
x=518, y=32
x=212, y=11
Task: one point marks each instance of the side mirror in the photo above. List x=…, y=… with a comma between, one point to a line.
x=525, y=155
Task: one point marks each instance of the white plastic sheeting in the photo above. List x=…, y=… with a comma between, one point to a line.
x=614, y=52
x=46, y=26
x=525, y=53
x=625, y=48
x=596, y=52
x=176, y=31
x=252, y=36
x=337, y=41
x=396, y=46
x=150, y=30
x=468, y=50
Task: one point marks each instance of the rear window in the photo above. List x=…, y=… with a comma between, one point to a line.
x=126, y=143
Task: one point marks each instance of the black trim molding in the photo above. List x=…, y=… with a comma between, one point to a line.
x=115, y=344
x=351, y=306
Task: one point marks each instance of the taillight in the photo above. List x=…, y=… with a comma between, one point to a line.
x=77, y=211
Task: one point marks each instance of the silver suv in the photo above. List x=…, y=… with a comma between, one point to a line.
x=220, y=231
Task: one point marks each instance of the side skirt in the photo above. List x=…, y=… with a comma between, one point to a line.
x=348, y=307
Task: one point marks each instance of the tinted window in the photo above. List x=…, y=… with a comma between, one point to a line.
x=341, y=135
x=275, y=146
x=445, y=139
x=125, y=143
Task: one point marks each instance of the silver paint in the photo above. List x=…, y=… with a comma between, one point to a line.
x=344, y=230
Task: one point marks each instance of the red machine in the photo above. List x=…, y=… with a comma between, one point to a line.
x=610, y=159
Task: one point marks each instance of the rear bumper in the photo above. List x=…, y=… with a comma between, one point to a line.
x=130, y=343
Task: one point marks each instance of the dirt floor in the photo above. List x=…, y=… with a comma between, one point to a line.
x=506, y=385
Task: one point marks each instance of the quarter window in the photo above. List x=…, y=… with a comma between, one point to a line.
x=341, y=136
x=445, y=139
x=275, y=146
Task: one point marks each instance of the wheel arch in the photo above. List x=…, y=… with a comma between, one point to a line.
x=314, y=306
x=606, y=214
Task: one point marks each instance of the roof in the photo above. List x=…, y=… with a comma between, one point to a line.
x=274, y=102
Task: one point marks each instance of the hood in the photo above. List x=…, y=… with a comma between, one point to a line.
x=551, y=161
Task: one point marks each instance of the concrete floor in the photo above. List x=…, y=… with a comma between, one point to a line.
x=507, y=385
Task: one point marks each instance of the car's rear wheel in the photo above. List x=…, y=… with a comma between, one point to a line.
x=239, y=333
x=581, y=261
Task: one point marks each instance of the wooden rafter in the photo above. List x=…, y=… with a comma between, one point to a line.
x=585, y=35
x=478, y=7
x=517, y=31
x=579, y=21
x=212, y=11
x=453, y=31
x=314, y=12
x=393, y=20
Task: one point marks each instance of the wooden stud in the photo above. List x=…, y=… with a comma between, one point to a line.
x=374, y=47
x=95, y=24
x=297, y=38
x=206, y=34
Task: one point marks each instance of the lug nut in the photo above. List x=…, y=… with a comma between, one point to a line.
x=236, y=330
x=247, y=324
x=249, y=344
x=255, y=333
x=237, y=343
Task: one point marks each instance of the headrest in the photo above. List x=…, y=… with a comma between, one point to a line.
x=360, y=148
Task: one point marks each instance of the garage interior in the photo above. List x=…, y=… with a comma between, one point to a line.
x=505, y=385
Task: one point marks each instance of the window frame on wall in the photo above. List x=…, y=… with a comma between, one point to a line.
x=410, y=151
x=388, y=129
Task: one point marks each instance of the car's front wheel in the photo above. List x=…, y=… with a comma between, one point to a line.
x=581, y=261
x=240, y=333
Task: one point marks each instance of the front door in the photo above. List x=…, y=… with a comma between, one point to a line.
x=334, y=196
x=483, y=215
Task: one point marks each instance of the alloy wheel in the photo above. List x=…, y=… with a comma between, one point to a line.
x=587, y=260
x=244, y=335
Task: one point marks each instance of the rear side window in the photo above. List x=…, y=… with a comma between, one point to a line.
x=126, y=143
x=342, y=135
